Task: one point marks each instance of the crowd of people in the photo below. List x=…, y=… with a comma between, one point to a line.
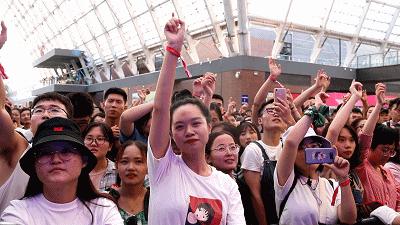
x=183, y=158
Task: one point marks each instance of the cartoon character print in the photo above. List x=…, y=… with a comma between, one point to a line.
x=204, y=211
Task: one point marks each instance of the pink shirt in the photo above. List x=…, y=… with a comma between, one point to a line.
x=379, y=185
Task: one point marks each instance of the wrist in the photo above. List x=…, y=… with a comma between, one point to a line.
x=343, y=181
x=177, y=47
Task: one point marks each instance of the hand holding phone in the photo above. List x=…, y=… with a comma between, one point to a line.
x=320, y=155
x=279, y=93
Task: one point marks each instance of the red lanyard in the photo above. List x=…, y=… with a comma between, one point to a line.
x=177, y=54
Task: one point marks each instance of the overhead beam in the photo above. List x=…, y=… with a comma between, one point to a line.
x=191, y=43
x=116, y=69
x=230, y=28
x=280, y=34
x=389, y=30
x=315, y=30
x=320, y=37
x=243, y=31
x=149, y=55
x=352, y=48
x=220, y=39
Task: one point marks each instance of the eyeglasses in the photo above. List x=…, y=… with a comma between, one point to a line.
x=270, y=111
x=98, y=140
x=52, y=111
x=45, y=155
x=234, y=148
x=388, y=151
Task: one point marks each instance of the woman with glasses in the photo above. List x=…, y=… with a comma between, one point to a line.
x=131, y=195
x=98, y=139
x=379, y=183
x=222, y=152
x=59, y=190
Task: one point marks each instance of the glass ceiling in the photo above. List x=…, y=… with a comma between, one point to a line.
x=108, y=30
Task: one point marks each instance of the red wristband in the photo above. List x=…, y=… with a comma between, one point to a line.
x=345, y=182
x=3, y=74
x=178, y=54
x=173, y=51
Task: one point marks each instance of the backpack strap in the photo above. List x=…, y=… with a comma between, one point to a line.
x=146, y=204
x=265, y=156
x=283, y=203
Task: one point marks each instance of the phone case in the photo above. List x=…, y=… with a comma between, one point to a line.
x=320, y=155
x=279, y=92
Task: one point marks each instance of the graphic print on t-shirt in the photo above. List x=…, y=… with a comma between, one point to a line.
x=204, y=211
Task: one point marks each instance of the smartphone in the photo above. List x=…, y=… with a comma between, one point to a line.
x=245, y=99
x=135, y=95
x=320, y=155
x=279, y=93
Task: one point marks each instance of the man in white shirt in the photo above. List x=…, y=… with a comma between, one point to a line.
x=252, y=158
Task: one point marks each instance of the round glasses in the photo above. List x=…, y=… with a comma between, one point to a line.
x=234, y=148
x=52, y=111
x=45, y=155
x=388, y=151
x=98, y=140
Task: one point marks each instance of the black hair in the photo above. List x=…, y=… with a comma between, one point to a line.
x=210, y=212
x=262, y=107
x=217, y=96
x=394, y=102
x=355, y=159
x=355, y=123
x=83, y=104
x=100, y=114
x=8, y=109
x=182, y=94
x=117, y=91
x=105, y=129
x=224, y=126
x=384, y=135
x=85, y=191
x=244, y=125
x=23, y=109
x=140, y=145
x=356, y=110
x=193, y=101
x=54, y=96
x=215, y=107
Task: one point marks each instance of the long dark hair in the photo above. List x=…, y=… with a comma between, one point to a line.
x=355, y=159
x=85, y=190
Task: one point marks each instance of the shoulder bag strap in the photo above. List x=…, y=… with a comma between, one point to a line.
x=265, y=156
x=283, y=203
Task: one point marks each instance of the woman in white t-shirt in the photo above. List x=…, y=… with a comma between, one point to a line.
x=59, y=190
x=314, y=199
x=185, y=189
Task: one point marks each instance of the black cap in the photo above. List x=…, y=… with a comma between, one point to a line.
x=57, y=129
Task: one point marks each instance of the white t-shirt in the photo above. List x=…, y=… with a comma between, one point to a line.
x=252, y=158
x=302, y=207
x=38, y=210
x=14, y=187
x=180, y=196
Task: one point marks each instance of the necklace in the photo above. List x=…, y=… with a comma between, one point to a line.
x=313, y=188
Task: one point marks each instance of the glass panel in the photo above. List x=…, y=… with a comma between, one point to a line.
x=106, y=17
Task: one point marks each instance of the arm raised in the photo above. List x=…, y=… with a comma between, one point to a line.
x=159, y=131
x=343, y=114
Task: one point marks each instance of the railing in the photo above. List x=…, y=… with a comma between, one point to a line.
x=378, y=59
